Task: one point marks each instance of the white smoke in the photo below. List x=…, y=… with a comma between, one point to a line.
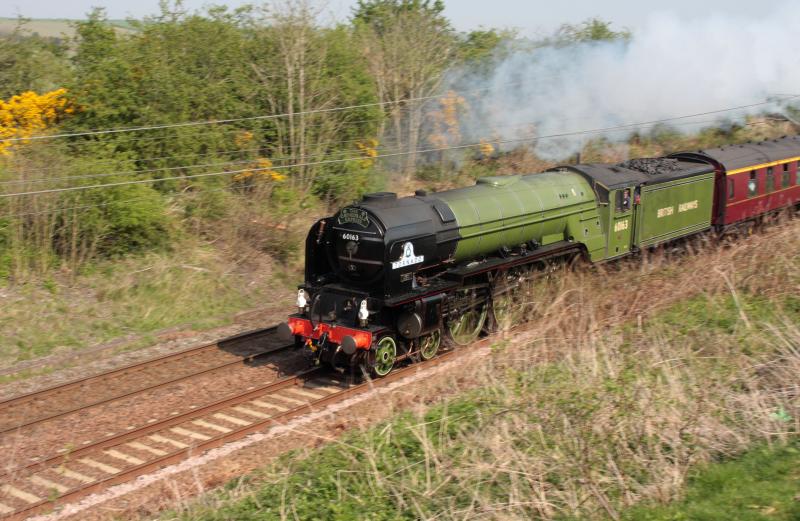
x=672, y=67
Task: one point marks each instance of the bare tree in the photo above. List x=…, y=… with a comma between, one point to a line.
x=295, y=81
x=408, y=50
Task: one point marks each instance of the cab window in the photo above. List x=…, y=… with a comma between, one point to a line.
x=622, y=200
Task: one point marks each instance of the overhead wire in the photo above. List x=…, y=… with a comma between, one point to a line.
x=178, y=167
x=616, y=128
x=158, y=139
x=205, y=154
x=245, y=161
x=226, y=188
x=266, y=117
x=228, y=120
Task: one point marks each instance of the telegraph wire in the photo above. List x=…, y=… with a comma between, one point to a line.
x=205, y=190
x=179, y=167
x=231, y=120
x=265, y=117
x=421, y=151
x=629, y=126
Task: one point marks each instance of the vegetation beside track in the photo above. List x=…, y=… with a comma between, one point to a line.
x=762, y=485
x=194, y=288
x=628, y=383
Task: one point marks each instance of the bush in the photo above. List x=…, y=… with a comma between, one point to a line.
x=134, y=218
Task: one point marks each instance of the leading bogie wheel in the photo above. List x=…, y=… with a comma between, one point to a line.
x=383, y=357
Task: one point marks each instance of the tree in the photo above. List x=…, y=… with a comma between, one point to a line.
x=379, y=13
x=303, y=70
x=408, y=45
x=29, y=62
x=591, y=30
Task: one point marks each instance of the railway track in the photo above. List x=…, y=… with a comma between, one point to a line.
x=60, y=400
x=115, y=459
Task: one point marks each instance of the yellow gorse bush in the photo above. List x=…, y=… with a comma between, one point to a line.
x=262, y=168
x=369, y=149
x=27, y=114
x=446, y=120
x=486, y=148
x=243, y=138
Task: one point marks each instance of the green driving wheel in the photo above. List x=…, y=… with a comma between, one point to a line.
x=429, y=346
x=466, y=328
x=505, y=308
x=385, y=355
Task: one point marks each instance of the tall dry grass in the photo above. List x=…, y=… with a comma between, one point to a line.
x=603, y=402
x=621, y=381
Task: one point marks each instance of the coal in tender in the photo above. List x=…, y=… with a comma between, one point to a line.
x=652, y=165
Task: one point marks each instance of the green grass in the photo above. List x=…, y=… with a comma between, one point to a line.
x=762, y=485
x=195, y=288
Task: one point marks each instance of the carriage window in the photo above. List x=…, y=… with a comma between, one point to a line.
x=752, y=184
x=771, y=181
x=731, y=191
x=797, y=174
x=785, y=178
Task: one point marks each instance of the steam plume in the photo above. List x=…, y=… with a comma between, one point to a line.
x=671, y=67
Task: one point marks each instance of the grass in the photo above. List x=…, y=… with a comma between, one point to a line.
x=612, y=401
x=762, y=485
x=195, y=287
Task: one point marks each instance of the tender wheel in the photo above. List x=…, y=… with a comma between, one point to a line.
x=385, y=355
x=465, y=329
x=429, y=345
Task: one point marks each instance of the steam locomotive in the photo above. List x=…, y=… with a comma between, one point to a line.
x=390, y=278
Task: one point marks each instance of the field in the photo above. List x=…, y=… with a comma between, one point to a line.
x=627, y=383
x=761, y=485
x=56, y=28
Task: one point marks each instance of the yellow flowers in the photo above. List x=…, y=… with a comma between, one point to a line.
x=369, y=149
x=446, y=120
x=261, y=169
x=486, y=148
x=451, y=104
x=29, y=113
x=243, y=138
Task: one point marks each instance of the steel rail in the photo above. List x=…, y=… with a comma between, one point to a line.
x=116, y=439
x=215, y=441
x=42, y=394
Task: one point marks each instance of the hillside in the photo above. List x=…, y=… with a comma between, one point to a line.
x=53, y=28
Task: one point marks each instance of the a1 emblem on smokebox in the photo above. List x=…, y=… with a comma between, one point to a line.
x=407, y=258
